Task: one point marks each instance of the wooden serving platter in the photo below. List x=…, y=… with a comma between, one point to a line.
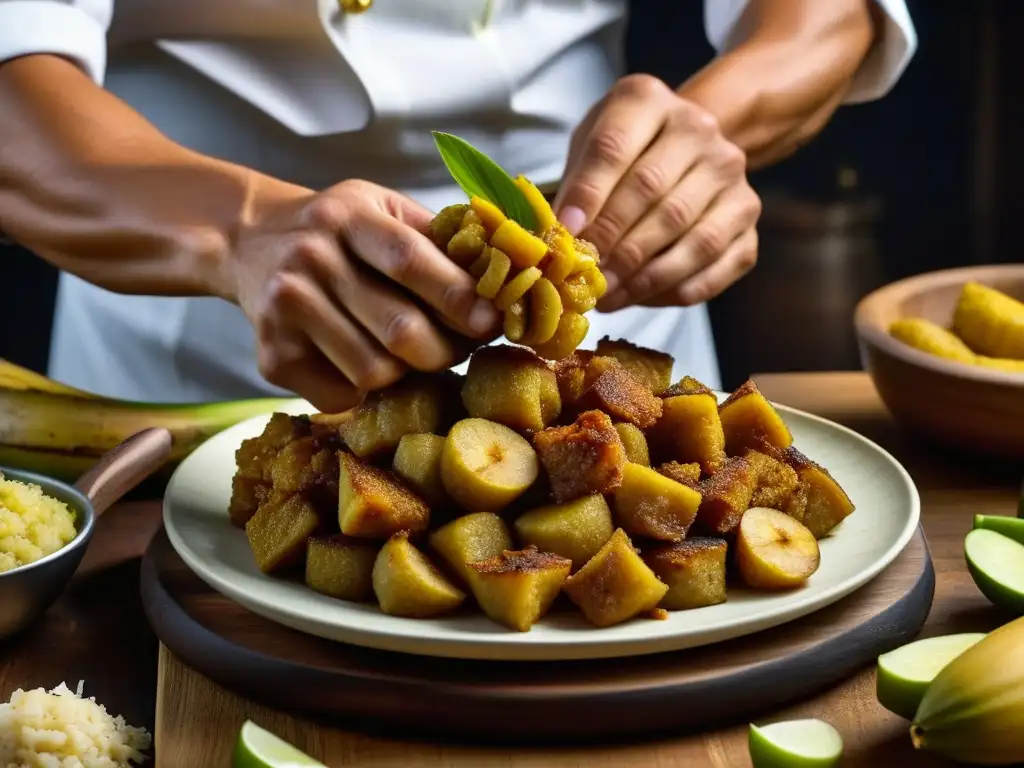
x=537, y=702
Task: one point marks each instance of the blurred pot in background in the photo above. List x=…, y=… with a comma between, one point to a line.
x=818, y=256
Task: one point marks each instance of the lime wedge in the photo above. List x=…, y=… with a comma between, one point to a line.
x=258, y=748
x=795, y=744
x=996, y=563
x=905, y=672
x=1008, y=526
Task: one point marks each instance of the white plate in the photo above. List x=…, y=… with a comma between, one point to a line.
x=888, y=508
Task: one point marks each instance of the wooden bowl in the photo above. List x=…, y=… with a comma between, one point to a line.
x=973, y=409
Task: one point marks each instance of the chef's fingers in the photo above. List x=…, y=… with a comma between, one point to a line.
x=408, y=257
x=300, y=303
x=738, y=260
x=392, y=318
x=630, y=120
x=711, y=239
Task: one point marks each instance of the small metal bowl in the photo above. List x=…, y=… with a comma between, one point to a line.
x=28, y=591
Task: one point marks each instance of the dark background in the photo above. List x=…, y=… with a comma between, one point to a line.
x=923, y=179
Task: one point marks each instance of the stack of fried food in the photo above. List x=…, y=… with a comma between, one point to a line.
x=543, y=282
x=588, y=480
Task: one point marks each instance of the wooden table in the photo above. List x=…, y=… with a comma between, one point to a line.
x=97, y=631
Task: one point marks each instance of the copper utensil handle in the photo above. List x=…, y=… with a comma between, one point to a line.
x=124, y=467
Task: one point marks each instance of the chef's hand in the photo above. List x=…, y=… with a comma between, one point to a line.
x=654, y=184
x=345, y=293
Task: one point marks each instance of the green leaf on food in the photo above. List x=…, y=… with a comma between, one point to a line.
x=478, y=175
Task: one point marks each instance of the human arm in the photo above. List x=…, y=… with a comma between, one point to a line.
x=92, y=187
x=657, y=175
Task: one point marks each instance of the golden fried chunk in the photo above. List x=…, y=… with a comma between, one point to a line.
x=517, y=588
x=512, y=386
x=493, y=277
x=545, y=313
x=578, y=292
x=524, y=248
x=514, y=324
x=614, y=390
x=572, y=330
x=634, y=443
x=689, y=430
x=406, y=583
x=490, y=215
x=485, y=466
x=748, y=418
x=726, y=496
x=561, y=252
x=827, y=504
x=467, y=244
x=417, y=404
x=307, y=467
x=374, y=504
x=796, y=505
x=254, y=455
x=776, y=481
x=649, y=504
x=470, y=539
x=279, y=530
x=446, y=223
x=582, y=458
x=615, y=585
x=418, y=462
x=688, y=386
x=687, y=474
x=694, y=571
x=516, y=288
x=576, y=529
x=246, y=496
x=651, y=367
x=571, y=373
x=341, y=567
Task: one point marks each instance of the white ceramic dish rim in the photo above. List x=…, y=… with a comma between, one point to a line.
x=612, y=642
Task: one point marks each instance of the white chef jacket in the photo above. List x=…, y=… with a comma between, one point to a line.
x=300, y=90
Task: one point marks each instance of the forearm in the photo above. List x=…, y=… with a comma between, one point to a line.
x=789, y=70
x=95, y=189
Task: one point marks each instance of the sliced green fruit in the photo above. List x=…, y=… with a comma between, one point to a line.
x=1008, y=526
x=905, y=673
x=996, y=563
x=808, y=743
x=259, y=748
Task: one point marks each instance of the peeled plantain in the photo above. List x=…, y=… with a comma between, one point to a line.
x=991, y=322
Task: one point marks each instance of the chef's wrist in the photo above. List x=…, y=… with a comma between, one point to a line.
x=260, y=205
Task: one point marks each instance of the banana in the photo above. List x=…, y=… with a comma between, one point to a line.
x=973, y=711
x=13, y=376
x=59, y=431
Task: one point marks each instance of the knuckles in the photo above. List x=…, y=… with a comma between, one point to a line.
x=609, y=147
x=641, y=86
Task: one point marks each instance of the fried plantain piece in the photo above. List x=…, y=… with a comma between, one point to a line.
x=726, y=496
x=373, y=503
x=649, y=366
x=582, y=458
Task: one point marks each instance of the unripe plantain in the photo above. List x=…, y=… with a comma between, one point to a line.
x=973, y=712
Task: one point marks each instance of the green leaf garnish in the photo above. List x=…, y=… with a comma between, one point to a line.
x=478, y=175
